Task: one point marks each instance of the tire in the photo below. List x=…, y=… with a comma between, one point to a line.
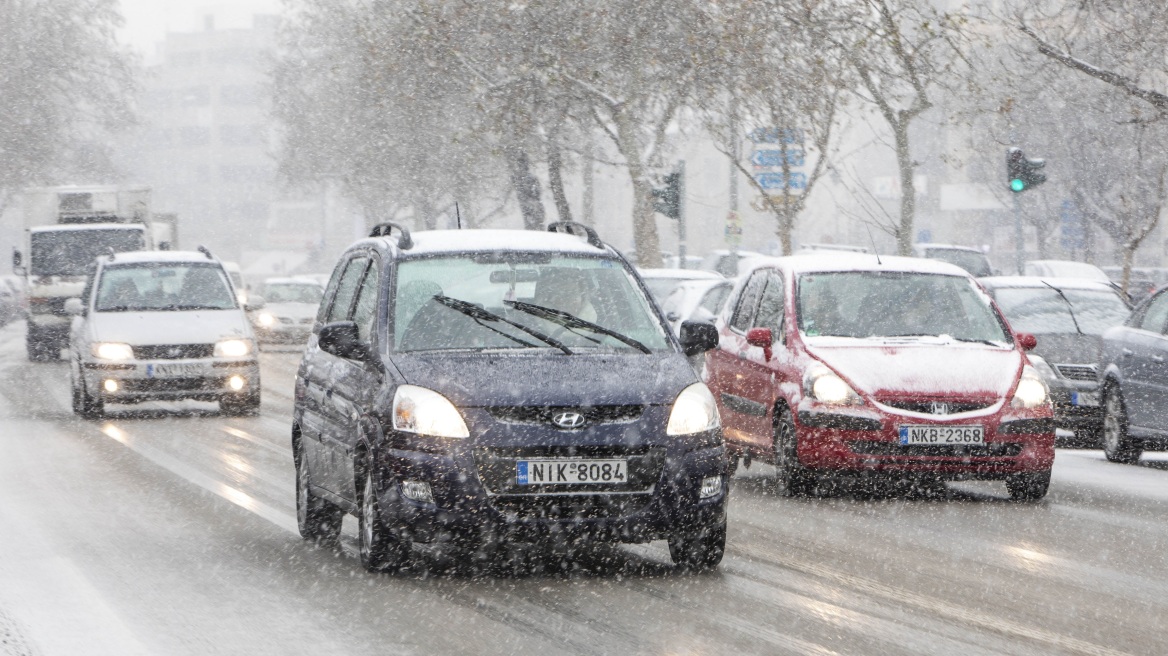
x=701, y=551
x=318, y=520
x=1117, y=445
x=1028, y=487
x=248, y=406
x=380, y=549
x=791, y=478
x=85, y=405
x=39, y=350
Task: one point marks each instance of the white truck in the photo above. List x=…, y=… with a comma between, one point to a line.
x=66, y=228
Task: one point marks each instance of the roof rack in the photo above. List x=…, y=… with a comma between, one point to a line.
x=404, y=240
x=573, y=228
x=205, y=251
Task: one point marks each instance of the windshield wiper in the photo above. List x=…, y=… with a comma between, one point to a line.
x=479, y=315
x=1070, y=308
x=571, y=321
x=969, y=340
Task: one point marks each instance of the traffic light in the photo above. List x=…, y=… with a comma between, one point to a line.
x=669, y=197
x=1023, y=173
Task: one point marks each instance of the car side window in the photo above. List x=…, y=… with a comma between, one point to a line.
x=1156, y=314
x=715, y=298
x=347, y=289
x=747, y=302
x=770, y=307
x=365, y=311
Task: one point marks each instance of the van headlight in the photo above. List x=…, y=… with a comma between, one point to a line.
x=826, y=386
x=426, y=412
x=233, y=348
x=112, y=351
x=1031, y=391
x=694, y=411
x=266, y=319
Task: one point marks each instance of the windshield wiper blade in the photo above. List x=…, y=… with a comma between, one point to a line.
x=568, y=320
x=1070, y=308
x=968, y=340
x=479, y=314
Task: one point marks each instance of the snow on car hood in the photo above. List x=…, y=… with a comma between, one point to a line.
x=174, y=327
x=899, y=369
x=290, y=310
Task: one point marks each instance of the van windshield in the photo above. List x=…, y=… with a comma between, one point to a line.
x=163, y=286
x=70, y=252
x=522, y=300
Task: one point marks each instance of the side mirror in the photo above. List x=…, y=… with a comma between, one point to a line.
x=1027, y=341
x=254, y=303
x=698, y=337
x=341, y=339
x=761, y=337
x=17, y=263
x=74, y=307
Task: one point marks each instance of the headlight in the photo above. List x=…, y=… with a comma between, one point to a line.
x=233, y=348
x=265, y=319
x=426, y=412
x=1031, y=391
x=112, y=351
x=1044, y=370
x=694, y=411
x=825, y=386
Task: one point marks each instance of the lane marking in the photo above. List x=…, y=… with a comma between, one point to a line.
x=260, y=442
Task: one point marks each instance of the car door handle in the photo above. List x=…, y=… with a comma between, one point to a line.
x=1126, y=353
x=1157, y=358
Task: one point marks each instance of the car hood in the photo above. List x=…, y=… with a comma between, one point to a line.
x=1069, y=348
x=480, y=380
x=290, y=310
x=916, y=369
x=176, y=327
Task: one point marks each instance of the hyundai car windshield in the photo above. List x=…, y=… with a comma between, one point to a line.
x=868, y=304
x=521, y=300
x=151, y=287
x=1041, y=310
x=293, y=293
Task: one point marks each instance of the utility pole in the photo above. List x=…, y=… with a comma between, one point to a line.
x=734, y=152
x=681, y=215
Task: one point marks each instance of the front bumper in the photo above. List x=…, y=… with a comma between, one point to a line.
x=280, y=332
x=1077, y=405
x=139, y=381
x=869, y=441
x=476, y=497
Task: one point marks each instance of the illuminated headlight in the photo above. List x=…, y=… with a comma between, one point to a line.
x=266, y=319
x=1031, y=391
x=426, y=412
x=233, y=348
x=825, y=386
x=694, y=411
x=112, y=351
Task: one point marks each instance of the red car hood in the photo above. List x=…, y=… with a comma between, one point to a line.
x=955, y=369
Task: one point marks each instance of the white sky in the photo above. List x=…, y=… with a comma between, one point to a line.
x=148, y=21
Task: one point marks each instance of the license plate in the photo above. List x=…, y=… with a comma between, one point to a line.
x=1090, y=399
x=940, y=435
x=558, y=471
x=176, y=370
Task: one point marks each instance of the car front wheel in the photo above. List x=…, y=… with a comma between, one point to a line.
x=1117, y=445
x=702, y=550
x=791, y=478
x=1028, y=487
x=380, y=549
x=316, y=518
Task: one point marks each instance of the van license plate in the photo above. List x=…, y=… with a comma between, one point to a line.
x=941, y=435
x=559, y=471
x=176, y=370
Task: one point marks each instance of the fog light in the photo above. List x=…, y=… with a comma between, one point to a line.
x=236, y=383
x=418, y=491
x=711, y=486
x=110, y=386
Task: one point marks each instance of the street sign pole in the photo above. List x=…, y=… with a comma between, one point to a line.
x=681, y=215
x=736, y=155
x=1019, y=245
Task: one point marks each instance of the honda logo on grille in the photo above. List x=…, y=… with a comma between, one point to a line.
x=568, y=419
x=939, y=408
x=174, y=351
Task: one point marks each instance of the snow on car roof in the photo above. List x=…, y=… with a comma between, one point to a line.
x=133, y=257
x=680, y=274
x=291, y=281
x=1041, y=281
x=71, y=227
x=949, y=247
x=832, y=262
x=429, y=242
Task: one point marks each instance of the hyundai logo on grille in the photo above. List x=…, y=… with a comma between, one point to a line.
x=568, y=419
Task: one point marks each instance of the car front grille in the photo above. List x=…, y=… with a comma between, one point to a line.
x=497, y=469
x=147, y=385
x=597, y=414
x=593, y=506
x=938, y=407
x=1085, y=372
x=991, y=450
x=174, y=351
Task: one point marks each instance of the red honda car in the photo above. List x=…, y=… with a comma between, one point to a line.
x=845, y=365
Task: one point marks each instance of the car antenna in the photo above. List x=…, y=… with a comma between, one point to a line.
x=874, y=249
x=205, y=251
x=458, y=215
x=112, y=254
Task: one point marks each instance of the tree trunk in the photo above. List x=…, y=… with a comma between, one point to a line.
x=1129, y=255
x=644, y=217
x=908, y=191
x=556, y=182
x=588, y=165
x=526, y=189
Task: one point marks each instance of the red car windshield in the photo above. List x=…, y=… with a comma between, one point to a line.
x=866, y=304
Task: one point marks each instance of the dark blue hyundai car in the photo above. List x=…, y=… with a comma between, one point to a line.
x=480, y=387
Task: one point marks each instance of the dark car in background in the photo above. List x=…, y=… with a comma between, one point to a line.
x=1134, y=382
x=471, y=388
x=1069, y=317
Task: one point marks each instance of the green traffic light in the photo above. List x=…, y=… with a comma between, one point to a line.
x=1017, y=185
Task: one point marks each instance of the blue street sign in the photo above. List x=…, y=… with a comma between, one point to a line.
x=774, y=158
x=797, y=181
x=924, y=236
x=1072, y=232
x=776, y=135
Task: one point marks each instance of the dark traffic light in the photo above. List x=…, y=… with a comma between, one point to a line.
x=1023, y=173
x=669, y=197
